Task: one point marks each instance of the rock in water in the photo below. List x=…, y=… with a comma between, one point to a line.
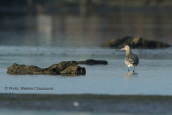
x=92, y=62
x=134, y=43
x=69, y=67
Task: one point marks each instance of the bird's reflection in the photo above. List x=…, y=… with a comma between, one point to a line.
x=131, y=74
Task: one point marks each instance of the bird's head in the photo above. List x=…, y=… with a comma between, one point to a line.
x=126, y=47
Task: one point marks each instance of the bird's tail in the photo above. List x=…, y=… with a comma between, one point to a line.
x=134, y=64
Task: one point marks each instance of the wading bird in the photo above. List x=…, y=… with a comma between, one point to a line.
x=130, y=59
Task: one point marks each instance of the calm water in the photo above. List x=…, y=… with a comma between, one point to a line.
x=153, y=74
x=82, y=30
x=43, y=40
x=30, y=112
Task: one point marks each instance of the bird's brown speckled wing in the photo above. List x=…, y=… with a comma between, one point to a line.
x=132, y=59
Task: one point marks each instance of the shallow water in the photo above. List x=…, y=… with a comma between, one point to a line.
x=82, y=30
x=152, y=77
x=44, y=39
x=30, y=112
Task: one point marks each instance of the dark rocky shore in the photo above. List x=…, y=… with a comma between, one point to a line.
x=88, y=103
x=140, y=43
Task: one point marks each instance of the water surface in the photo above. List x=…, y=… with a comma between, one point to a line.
x=153, y=74
x=83, y=30
x=45, y=39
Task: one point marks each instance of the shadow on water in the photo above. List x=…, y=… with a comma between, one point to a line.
x=131, y=74
x=72, y=75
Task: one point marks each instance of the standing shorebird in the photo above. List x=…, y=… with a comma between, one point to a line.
x=130, y=59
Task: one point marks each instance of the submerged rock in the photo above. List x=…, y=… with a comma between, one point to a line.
x=69, y=67
x=92, y=62
x=134, y=43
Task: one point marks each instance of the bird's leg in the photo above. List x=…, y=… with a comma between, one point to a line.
x=128, y=69
x=134, y=70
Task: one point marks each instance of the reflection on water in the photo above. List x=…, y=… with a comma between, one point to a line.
x=131, y=74
x=82, y=30
x=44, y=29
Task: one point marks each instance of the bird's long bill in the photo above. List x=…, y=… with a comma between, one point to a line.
x=122, y=49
